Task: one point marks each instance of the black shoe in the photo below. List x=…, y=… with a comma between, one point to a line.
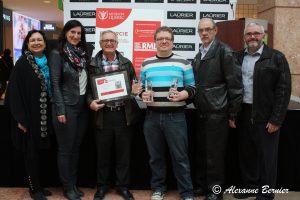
x=199, y=192
x=46, y=192
x=125, y=193
x=78, y=191
x=243, y=195
x=71, y=195
x=212, y=196
x=100, y=193
x=37, y=195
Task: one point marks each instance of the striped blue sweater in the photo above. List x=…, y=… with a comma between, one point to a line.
x=162, y=72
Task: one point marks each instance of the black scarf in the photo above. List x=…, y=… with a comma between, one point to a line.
x=76, y=55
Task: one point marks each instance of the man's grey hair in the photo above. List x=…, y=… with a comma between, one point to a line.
x=108, y=31
x=208, y=19
x=252, y=24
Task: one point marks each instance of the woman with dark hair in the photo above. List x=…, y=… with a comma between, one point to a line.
x=69, y=79
x=27, y=98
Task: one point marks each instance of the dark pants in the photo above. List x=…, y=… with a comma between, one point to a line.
x=162, y=130
x=31, y=158
x=114, y=149
x=211, y=138
x=3, y=85
x=258, y=151
x=69, y=137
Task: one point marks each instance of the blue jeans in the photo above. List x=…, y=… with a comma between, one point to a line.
x=168, y=129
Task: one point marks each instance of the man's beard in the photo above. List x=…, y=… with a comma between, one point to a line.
x=253, y=44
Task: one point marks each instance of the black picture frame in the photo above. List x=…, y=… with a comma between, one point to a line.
x=111, y=95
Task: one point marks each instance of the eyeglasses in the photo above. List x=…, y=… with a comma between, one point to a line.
x=255, y=34
x=164, y=38
x=207, y=30
x=109, y=41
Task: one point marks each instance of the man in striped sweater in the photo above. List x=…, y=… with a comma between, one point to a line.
x=165, y=123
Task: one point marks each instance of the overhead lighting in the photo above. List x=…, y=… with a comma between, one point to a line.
x=47, y=1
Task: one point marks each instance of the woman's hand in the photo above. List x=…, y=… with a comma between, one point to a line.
x=62, y=119
x=20, y=126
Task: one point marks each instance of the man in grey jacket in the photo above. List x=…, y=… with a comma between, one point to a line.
x=218, y=98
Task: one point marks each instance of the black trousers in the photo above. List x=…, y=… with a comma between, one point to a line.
x=31, y=160
x=211, y=138
x=69, y=137
x=258, y=152
x=3, y=85
x=114, y=150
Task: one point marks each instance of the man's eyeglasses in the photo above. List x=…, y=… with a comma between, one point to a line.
x=109, y=41
x=207, y=30
x=164, y=38
x=255, y=34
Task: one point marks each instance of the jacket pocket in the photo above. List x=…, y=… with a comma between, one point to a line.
x=213, y=98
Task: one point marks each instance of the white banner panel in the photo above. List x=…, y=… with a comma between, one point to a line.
x=181, y=15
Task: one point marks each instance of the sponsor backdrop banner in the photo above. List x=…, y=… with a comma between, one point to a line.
x=136, y=31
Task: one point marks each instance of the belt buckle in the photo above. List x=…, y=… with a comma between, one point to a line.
x=114, y=108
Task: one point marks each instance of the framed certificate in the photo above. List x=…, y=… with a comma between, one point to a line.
x=111, y=86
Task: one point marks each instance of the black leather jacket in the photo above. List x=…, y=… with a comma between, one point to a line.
x=64, y=82
x=132, y=111
x=271, y=86
x=219, y=87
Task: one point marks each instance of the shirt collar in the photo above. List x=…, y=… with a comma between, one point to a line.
x=105, y=58
x=258, y=52
x=202, y=48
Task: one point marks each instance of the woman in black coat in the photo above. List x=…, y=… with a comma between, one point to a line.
x=69, y=79
x=27, y=98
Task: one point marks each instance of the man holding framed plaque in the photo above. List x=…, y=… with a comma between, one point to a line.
x=169, y=80
x=110, y=76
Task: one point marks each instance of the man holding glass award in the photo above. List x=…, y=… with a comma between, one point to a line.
x=116, y=111
x=167, y=80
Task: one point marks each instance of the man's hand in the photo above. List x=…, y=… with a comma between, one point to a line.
x=232, y=123
x=272, y=128
x=147, y=96
x=96, y=105
x=176, y=96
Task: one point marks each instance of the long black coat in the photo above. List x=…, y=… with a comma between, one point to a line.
x=23, y=94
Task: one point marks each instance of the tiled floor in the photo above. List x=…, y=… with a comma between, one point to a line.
x=22, y=194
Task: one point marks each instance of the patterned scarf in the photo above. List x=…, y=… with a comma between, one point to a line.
x=43, y=95
x=42, y=64
x=75, y=55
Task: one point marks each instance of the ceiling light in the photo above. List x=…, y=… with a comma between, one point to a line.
x=47, y=1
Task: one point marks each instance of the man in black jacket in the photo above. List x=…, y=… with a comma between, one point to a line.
x=114, y=120
x=218, y=98
x=267, y=89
